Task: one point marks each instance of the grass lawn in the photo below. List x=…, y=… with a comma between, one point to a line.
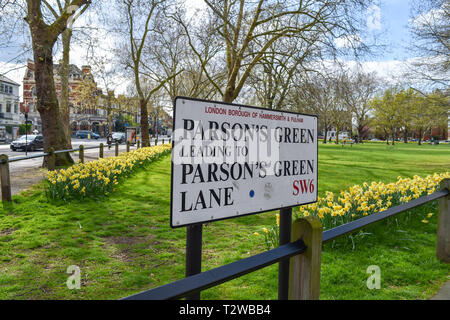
x=123, y=244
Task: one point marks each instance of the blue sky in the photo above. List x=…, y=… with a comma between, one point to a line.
x=395, y=15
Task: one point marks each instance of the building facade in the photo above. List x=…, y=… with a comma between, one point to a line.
x=9, y=103
x=81, y=118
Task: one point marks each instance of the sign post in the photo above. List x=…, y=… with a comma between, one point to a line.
x=232, y=160
x=194, y=254
x=283, y=267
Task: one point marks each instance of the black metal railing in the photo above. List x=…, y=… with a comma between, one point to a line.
x=214, y=277
x=46, y=154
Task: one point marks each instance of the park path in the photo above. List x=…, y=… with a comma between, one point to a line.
x=443, y=293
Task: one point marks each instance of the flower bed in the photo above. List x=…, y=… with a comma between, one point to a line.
x=359, y=201
x=100, y=176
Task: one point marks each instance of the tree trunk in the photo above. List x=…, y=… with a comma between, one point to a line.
x=337, y=136
x=405, y=136
x=420, y=137
x=144, y=123
x=229, y=94
x=325, y=137
x=109, y=119
x=360, y=134
x=47, y=101
x=64, y=74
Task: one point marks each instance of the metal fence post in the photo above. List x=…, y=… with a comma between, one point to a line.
x=117, y=148
x=51, y=162
x=81, y=154
x=283, y=267
x=101, y=151
x=443, y=233
x=5, y=179
x=304, y=277
x=194, y=254
x=139, y=144
x=128, y=146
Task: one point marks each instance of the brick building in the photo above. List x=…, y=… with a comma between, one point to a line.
x=80, y=118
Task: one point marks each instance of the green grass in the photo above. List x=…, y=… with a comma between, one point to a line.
x=124, y=244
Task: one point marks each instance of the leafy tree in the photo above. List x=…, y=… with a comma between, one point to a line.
x=406, y=100
x=429, y=111
x=387, y=113
x=87, y=95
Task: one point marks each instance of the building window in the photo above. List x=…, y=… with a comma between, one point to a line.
x=16, y=108
x=8, y=107
x=1, y=87
x=1, y=108
x=10, y=90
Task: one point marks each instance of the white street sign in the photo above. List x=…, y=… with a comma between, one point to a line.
x=230, y=160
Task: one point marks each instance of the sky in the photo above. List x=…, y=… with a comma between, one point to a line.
x=388, y=18
x=395, y=15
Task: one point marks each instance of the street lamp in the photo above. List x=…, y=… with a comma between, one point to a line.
x=25, y=109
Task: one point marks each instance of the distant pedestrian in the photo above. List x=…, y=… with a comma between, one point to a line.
x=109, y=139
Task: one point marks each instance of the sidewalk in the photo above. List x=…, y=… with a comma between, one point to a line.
x=443, y=293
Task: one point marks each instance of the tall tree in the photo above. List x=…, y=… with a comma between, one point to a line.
x=406, y=100
x=429, y=111
x=315, y=95
x=66, y=38
x=430, y=25
x=387, y=113
x=278, y=71
x=44, y=35
x=357, y=89
x=139, y=19
x=248, y=29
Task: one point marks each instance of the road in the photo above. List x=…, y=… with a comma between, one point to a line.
x=26, y=173
x=5, y=148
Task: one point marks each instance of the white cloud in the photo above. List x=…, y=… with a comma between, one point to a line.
x=194, y=7
x=373, y=21
x=350, y=41
x=431, y=17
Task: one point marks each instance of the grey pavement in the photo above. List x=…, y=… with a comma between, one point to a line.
x=443, y=293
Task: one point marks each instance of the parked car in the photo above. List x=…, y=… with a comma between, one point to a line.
x=85, y=134
x=29, y=143
x=119, y=137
